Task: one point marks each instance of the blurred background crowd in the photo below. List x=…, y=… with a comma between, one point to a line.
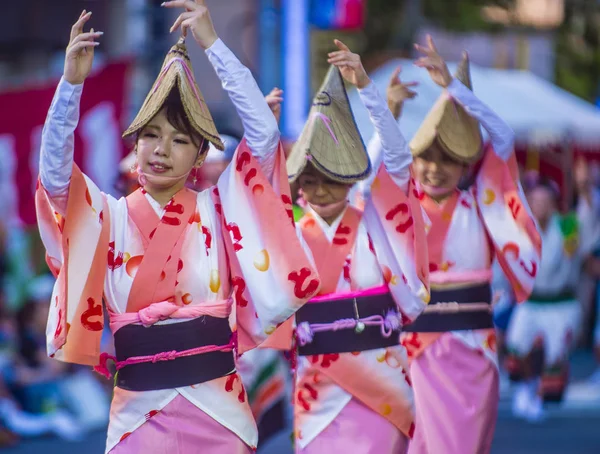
x=535, y=62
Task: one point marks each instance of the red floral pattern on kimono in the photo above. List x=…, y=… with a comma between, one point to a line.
x=236, y=240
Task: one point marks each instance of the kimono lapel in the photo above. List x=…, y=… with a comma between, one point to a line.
x=331, y=257
x=162, y=238
x=440, y=217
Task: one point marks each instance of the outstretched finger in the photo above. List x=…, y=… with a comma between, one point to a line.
x=343, y=56
x=89, y=36
x=339, y=52
x=83, y=45
x=187, y=4
x=426, y=62
x=411, y=84
x=423, y=50
x=77, y=27
x=187, y=23
x=396, y=76
x=340, y=45
x=180, y=19
x=431, y=44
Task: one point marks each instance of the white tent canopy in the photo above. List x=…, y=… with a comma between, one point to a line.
x=538, y=111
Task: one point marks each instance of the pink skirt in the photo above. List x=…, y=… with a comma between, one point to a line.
x=358, y=430
x=456, y=396
x=181, y=428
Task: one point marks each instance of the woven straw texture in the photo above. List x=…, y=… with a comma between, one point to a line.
x=456, y=131
x=173, y=74
x=330, y=139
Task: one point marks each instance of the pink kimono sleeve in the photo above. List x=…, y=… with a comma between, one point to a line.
x=271, y=276
x=76, y=252
x=508, y=220
x=397, y=230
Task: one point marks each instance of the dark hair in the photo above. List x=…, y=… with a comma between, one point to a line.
x=177, y=117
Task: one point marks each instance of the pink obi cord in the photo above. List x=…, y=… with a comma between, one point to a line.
x=162, y=311
x=392, y=321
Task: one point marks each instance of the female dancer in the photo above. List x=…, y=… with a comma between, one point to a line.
x=452, y=344
x=170, y=262
x=352, y=391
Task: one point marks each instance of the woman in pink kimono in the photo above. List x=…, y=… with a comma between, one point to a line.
x=352, y=391
x=452, y=344
x=186, y=277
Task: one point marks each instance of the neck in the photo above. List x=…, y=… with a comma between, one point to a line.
x=163, y=195
x=440, y=199
x=437, y=195
x=158, y=186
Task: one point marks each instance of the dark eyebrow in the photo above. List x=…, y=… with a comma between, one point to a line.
x=157, y=128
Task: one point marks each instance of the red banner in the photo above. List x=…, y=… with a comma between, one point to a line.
x=98, y=144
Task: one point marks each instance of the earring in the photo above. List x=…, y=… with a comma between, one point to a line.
x=134, y=164
x=195, y=177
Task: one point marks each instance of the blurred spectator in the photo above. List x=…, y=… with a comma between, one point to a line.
x=215, y=163
x=14, y=421
x=542, y=330
x=587, y=182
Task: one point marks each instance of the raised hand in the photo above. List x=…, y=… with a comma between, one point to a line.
x=80, y=51
x=398, y=92
x=274, y=100
x=349, y=64
x=196, y=18
x=434, y=63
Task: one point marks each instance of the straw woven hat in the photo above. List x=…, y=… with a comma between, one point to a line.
x=177, y=72
x=330, y=139
x=456, y=131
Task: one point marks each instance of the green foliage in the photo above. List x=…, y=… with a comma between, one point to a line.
x=578, y=50
x=462, y=15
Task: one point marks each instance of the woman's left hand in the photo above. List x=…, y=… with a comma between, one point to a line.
x=197, y=19
x=434, y=63
x=349, y=64
x=274, y=100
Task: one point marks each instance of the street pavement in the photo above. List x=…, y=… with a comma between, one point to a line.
x=571, y=428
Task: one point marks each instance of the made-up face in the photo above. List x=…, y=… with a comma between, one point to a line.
x=327, y=197
x=437, y=173
x=164, y=151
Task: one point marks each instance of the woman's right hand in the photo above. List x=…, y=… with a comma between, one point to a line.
x=80, y=51
x=398, y=92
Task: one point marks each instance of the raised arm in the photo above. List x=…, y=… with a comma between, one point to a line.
x=397, y=159
x=501, y=135
x=56, y=154
x=396, y=154
x=260, y=126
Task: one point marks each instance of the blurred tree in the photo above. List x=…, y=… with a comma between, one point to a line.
x=578, y=49
x=392, y=24
x=462, y=15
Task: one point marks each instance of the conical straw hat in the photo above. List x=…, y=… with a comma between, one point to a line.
x=456, y=131
x=330, y=139
x=177, y=72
